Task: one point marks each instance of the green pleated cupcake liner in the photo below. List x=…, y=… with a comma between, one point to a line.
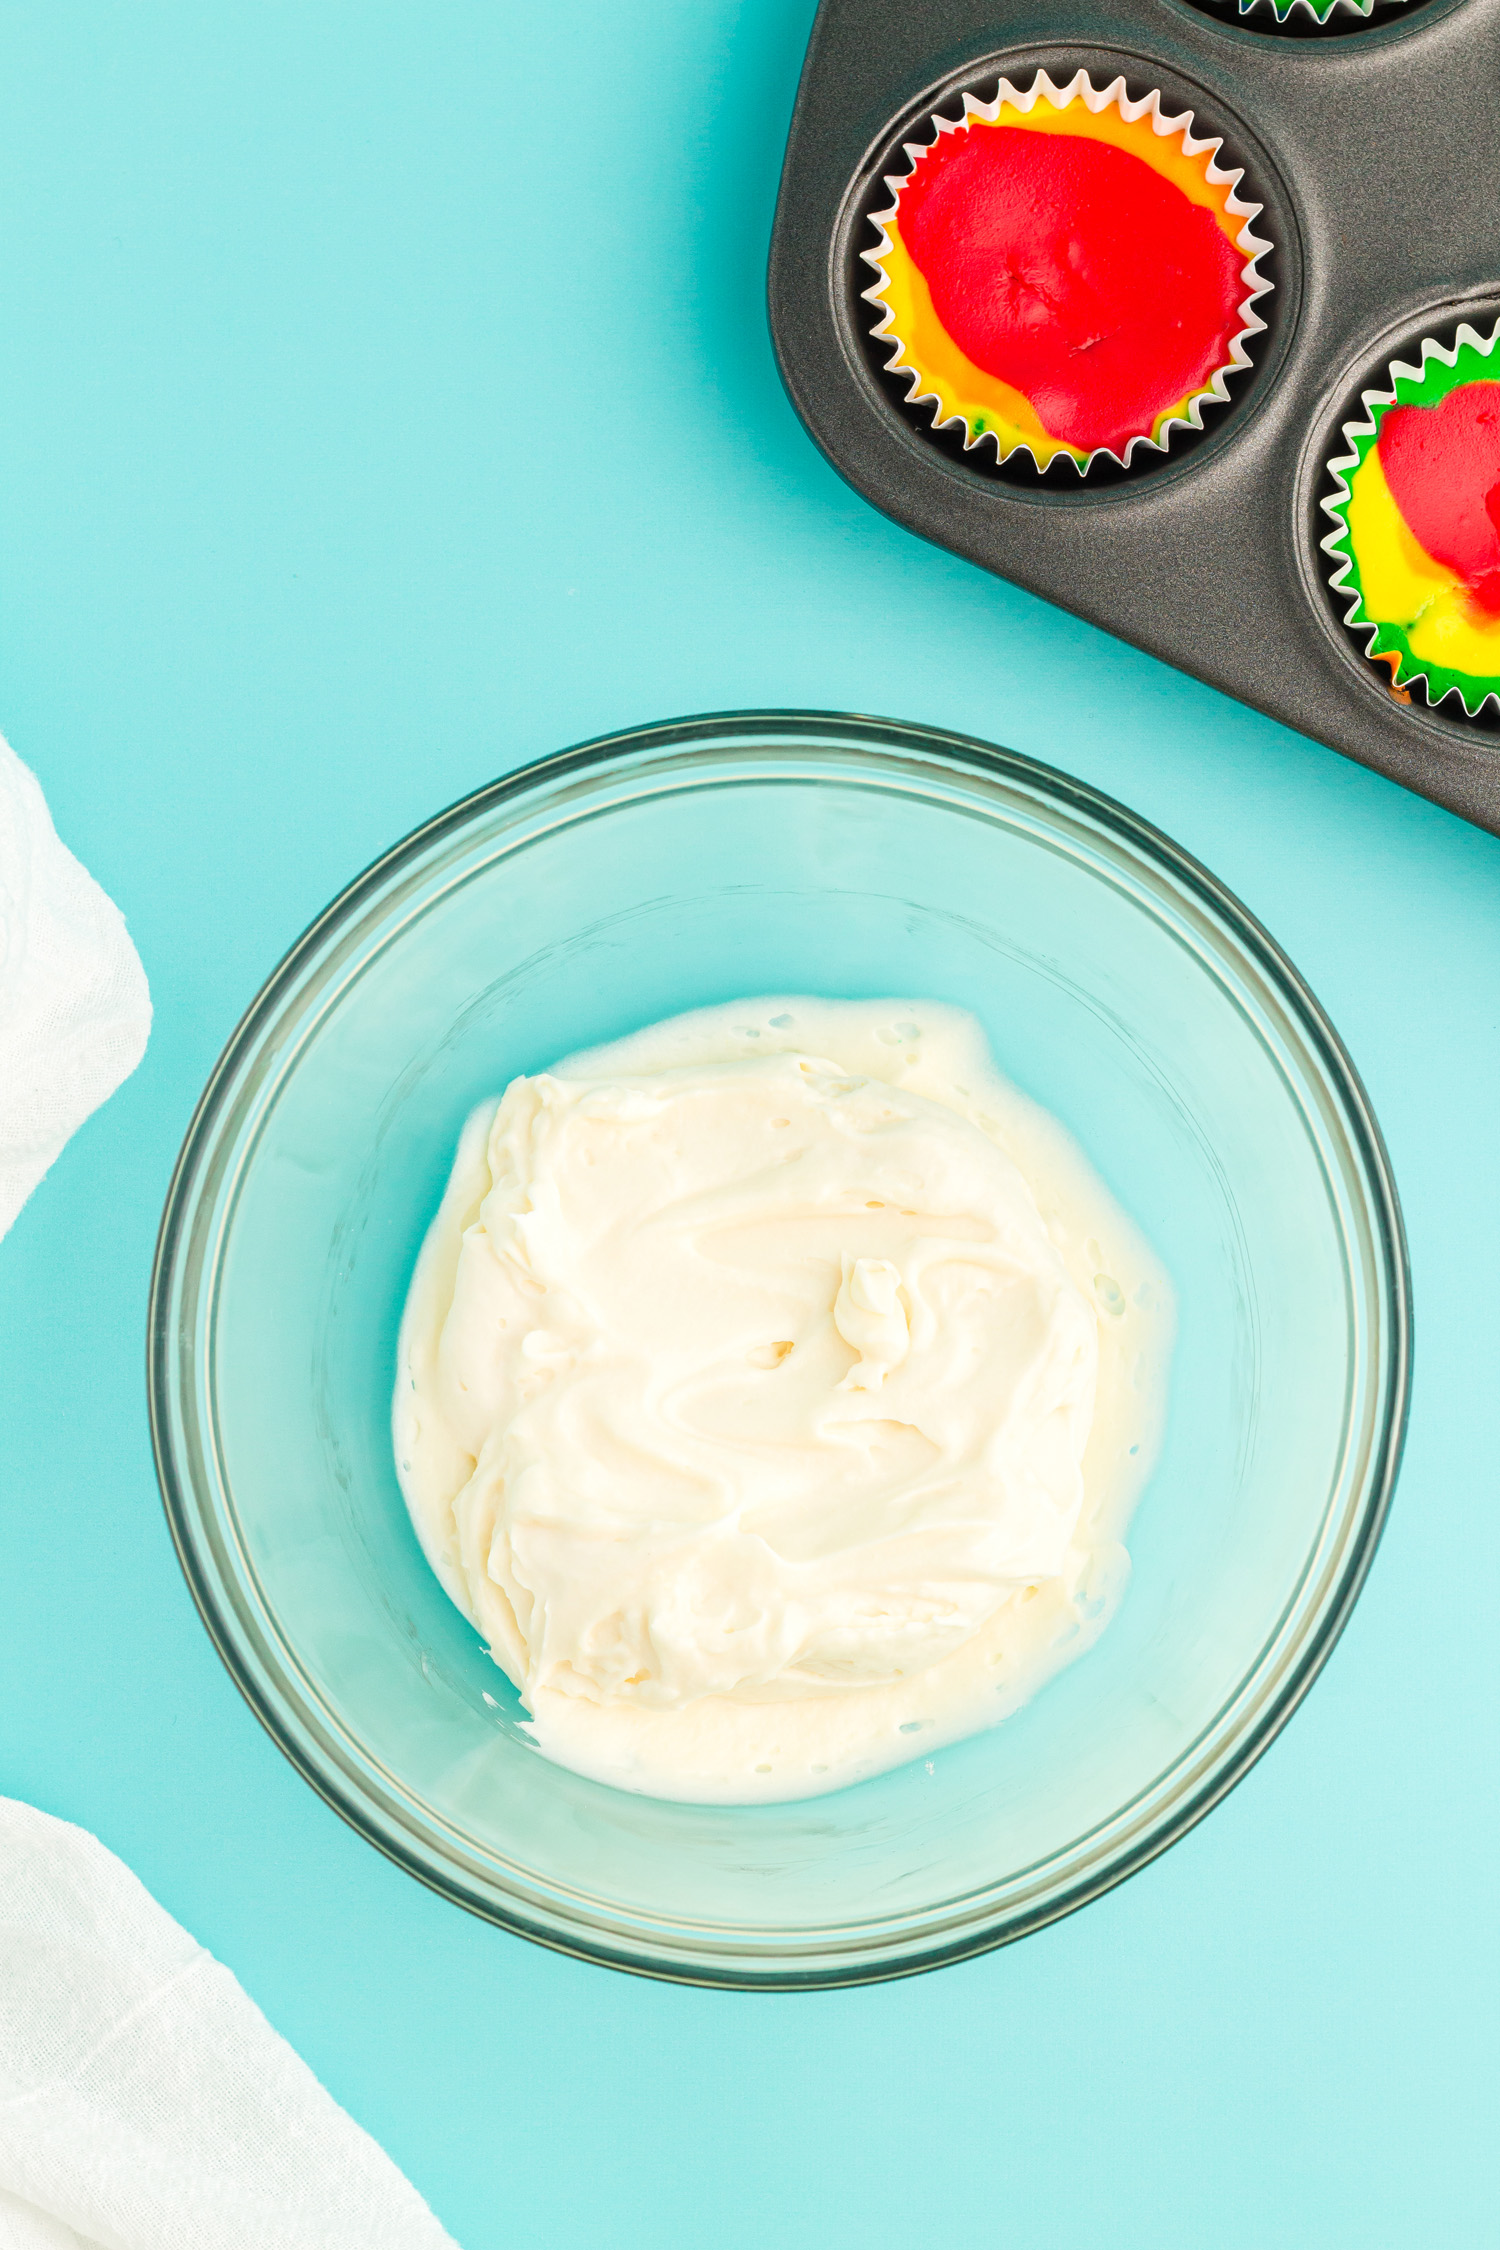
x=1439, y=369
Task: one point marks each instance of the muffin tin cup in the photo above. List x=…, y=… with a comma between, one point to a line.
x=1373, y=157
x=905, y=362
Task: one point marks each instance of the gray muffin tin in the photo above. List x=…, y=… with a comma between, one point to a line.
x=1376, y=158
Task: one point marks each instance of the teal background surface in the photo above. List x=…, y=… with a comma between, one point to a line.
x=387, y=400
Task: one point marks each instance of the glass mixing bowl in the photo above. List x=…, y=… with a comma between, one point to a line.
x=1120, y=986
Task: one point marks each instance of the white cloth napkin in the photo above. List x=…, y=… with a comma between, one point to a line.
x=74, y=1009
x=145, y=2102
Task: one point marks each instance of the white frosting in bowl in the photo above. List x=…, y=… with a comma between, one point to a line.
x=772, y=1390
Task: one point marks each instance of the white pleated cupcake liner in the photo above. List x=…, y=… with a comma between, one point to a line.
x=1079, y=87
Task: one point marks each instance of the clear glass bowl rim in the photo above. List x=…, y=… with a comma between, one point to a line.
x=716, y=740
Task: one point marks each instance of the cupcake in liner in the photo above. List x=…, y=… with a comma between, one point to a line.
x=1416, y=515
x=1320, y=12
x=1065, y=271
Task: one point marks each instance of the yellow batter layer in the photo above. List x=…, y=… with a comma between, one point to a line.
x=1401, y=584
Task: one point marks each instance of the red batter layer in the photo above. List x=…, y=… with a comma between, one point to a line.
x=1076, y=273
x=1442, y=464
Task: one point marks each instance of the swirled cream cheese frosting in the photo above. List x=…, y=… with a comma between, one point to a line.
x=773, y=1388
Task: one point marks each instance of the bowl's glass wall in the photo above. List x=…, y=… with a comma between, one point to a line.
x=1113, y=991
